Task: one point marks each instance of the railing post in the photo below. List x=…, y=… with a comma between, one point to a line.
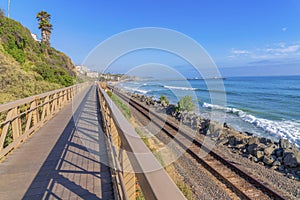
x=114, y=134
x=5, y=128
x=46, y=109
x=35, y=116
x=16, y=125
x=54, y=104
x=128, y=175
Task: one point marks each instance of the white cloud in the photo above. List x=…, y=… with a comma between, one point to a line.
x=239, y=52
x=284, y=49
x=284, y=29
x=274, y=51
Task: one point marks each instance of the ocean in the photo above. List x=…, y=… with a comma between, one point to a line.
x=265, y=106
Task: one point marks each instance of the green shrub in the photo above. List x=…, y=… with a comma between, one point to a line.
x=164, y=100
x=186, y=104
x=52, y=66
x=109, y=93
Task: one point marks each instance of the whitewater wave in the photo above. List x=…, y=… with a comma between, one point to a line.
x=135, y=90
x=181, y=88
x=284, y=129
x=195, y=89
x=152, y=84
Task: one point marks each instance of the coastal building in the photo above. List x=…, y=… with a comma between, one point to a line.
x=80, y=69
x=92, y=74
x=35, y=37
x=110, y=77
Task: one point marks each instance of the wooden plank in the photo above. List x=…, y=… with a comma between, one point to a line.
x=46, y=109
x=16, y=128
x=5, y=129
x=29, y=117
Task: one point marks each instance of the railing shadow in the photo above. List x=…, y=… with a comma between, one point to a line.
x=72, y=169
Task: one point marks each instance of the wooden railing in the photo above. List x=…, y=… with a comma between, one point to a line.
x=132, y=162
x=19, y=119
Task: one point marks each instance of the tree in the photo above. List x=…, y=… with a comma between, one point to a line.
x=46, y=27
x=186, y=104
x=8, y=8
x=1, y=13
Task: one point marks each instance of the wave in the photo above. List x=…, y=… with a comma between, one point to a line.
x=196, y=89
x=152, y=84
x=135, y=90
x=181, y=88
x=284, y=129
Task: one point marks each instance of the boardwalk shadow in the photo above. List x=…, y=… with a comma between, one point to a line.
x=71, y=169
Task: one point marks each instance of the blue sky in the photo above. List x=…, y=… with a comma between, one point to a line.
x=256, y=35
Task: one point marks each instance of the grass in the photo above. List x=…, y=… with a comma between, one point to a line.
x=184, y=188
x=120, y=104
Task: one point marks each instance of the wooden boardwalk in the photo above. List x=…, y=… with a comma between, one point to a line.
x=63, y=160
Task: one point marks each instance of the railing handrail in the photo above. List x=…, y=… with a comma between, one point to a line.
x=12, y=104
x=23, y=117
x=151, y=181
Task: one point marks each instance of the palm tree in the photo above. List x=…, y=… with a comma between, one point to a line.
x=46, y=27
x=8, y=8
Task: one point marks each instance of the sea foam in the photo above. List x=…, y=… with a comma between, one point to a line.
x=283, y=129
x=135, y=90
x=181, y=88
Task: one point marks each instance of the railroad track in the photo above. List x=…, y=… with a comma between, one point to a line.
x=244, y=184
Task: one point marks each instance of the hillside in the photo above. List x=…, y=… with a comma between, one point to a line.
x=28, y=67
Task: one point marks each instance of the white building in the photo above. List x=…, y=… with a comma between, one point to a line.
x=81, y=69
x=92, y=74
x=34, y=36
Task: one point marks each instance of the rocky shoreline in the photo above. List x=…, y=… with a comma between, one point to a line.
x=281, y=156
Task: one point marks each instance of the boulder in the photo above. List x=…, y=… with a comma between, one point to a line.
x=217, y=134
x=223, y=141
x=232, y=140
x=254, y=159
x=276, y=163
x=281, y=168
x=259, y=154
x=171, y=109
x=251, y=148
x=269, y=150
x=280, y=159
x=164, y=103
x=240, y=146
x=253, y=140
x=291, y=159
x=265, y=141
x=268, y=160
x=274, y=167
x=249, y=134
x=284, y=143
x=225, y=125
x=279, y=152
x=290, y=176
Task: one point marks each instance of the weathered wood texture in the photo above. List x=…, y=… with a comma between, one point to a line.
x=19, y=119
x=63, y=160
x=133, y=162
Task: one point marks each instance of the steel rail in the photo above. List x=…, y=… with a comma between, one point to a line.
x=260, y=185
